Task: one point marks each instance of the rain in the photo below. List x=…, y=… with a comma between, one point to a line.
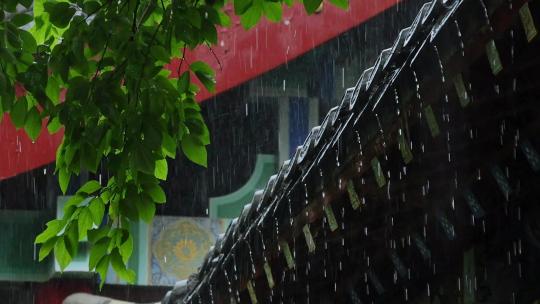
x=383, y=153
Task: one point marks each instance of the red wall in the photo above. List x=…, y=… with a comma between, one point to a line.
x=243, y=56
x=246, y=54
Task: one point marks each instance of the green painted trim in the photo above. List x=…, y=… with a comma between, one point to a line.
x=140, y=252
x=230, y=205
x=18, y=262
x=134, y=261
x=146, y=254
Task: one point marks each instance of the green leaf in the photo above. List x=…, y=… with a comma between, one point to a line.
x=97, y=208
x=70, y=212
x=126, y=248
x=161, y=169
x=251, y=16
x=129, y=276
x=18, y=112
x=202, y=67
x=54, y=125
x=85, y=222
x=114, y=206
x=105, y=195
x=94, y=235
x=194, y=151
x=21, y=19
x=143, y=160
x=97, y=252
x=53, y=228
x=70, y=152
x=53, y=89
x=32, y=124
x=60, y=67
x=26, y=3
x=209, y=32
x=7, y=55
x=224, y=19
x=156, y=193
x=60, y=13
x=194, y=17
x=102, y=268
x=129, y=209
x=73, y=201
x=91, y=6
x=46, y=248
x=152, y=135
x=115, y=234
x=159, y=53
x=28, y=42
x=89, y=157
x=63, y=179
x=183, y=82
x=312, y=5
x=146, y=209
x=12, y=35
x=61, y=253
x=118, y=265
x=241, y=6
x=71, y=238
x=205, y=74
x=10, y=5
x=90, y=187
x=169, y=146
x=3, y=87
x=272, y=10
x=344, y=4
x=128, y=206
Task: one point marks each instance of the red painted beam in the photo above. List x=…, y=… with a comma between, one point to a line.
x=243, y=55
x=247, y=54
x=17, y=152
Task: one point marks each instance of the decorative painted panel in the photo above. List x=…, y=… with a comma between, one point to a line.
x=179, y=245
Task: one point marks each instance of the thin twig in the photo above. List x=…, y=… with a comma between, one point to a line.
x=99, y=67
x=215, y=56
x=181, y=61
x=95, y=11
x=134, y=25
x=147, y=12
x=146, y=59
x=3, y=68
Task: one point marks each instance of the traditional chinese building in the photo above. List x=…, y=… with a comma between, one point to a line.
x=421, y=186
x=417, y=184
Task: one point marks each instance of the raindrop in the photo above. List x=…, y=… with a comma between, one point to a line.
x=440, y=64
x=486, y=14
x=461, y=44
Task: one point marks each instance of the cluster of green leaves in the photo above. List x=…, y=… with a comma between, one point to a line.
x=251, y=11
x=96, y=68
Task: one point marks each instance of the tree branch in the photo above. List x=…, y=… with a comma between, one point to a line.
x=215, y=56
x=146, y=58
x=181, y=61
x=134, y=24
x=147, y=12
